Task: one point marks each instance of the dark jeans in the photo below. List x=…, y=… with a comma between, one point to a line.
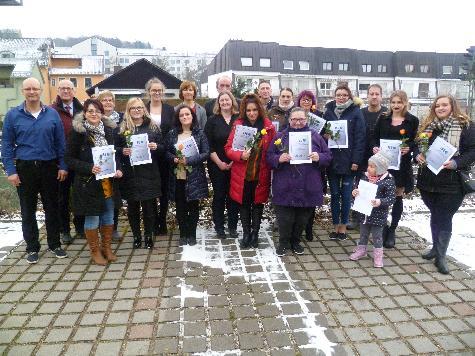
x=148, y=213
x=187, y=212
x=291, y=221
x=221, y=199
x=38, y=177
x=375, y=230
x=161, y=214
x=442, y=209
x=65, y=207
x=341, y=186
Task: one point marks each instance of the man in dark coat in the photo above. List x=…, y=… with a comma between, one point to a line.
x=222, y=83
x=67, y=105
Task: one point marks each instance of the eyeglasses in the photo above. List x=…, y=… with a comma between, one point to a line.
x=307, y=100
x=299, y=119
x=136, y=108
x=156, y=91
x=94, y=112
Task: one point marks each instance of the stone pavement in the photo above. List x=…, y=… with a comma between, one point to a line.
x=216, y=299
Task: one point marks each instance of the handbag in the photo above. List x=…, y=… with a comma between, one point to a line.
x=467, y=178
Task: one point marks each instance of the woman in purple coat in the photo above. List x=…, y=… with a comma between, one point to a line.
x=296, y=188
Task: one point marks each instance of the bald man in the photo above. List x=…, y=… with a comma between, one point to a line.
x=222, y=83
x=33, y=156
x=67, y=105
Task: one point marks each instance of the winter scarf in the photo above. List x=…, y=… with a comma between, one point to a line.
x=115, y=117
x=339, y=108
x=97, y=133
x=450, y=129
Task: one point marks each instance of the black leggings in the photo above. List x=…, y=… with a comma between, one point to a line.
x=148, y=212
x=187, y=212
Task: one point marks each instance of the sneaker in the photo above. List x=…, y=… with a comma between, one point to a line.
x=66, y=238
x=333, y=235
x=342, y=236
x=32, y=257
x=297, y=249
x=59, y=252
x=280, y=251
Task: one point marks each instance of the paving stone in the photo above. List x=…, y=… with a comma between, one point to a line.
x=433, y=327
x=29, y=336
x=194, y=344
x=244, y=312
x=368, y=349
x=268, y=310
x=276, y=339
x=86, y=333
x=137, y=347
x=468, y=338
x=109, y=348
x=114, y=333
x=66, y=320
x=348, y=319
x=422, y=345
x=273, y=324
x=40, y=321
x=169, y=315
x=195, y=328
x=408, y=329
x=448, y=342
x=14, y=321
x=222, y=343
x=141, y=331
x=383, y=332
x=92, y=319
x=22, y=350
x=49, y=350
x=396, y=315
x=218, y=313
x=58, y=335
x=396, y=347
x=455, y=325
x=463, y=309
x=118, y=318
x=78, y=349
x=358, y=334
x=250, y=341
x=166, y=346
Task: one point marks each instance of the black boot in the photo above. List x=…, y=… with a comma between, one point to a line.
x=257, y=211
x=431, y=254
x=246, y=226
x=389, y=239
x=441, y=250
x=183, y=235
x=137, y=241
x=192, y=237
x=309, y=227
x=149, y=242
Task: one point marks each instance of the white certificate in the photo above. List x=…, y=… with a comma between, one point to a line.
x=316, y=122
x=439, y=152
x=392, y=149
x=242, y=136
x=367, y=192
x=140, y=151
x=104, y=157
x=190, y=148
x=300, y=147
x=340, y=128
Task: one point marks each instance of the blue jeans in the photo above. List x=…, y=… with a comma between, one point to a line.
x=341, y=186
x=107, y=217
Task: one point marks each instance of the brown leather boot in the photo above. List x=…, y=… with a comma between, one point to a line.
x=92, y=237
x=106, y=233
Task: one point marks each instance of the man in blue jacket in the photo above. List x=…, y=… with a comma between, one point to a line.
x=32, y=154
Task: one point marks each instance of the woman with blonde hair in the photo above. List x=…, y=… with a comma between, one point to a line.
x=161, y=114
x=442, y=193
x=397, y=124
x=140, y=185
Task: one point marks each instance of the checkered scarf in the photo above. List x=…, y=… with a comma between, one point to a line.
x=97, y=133
x=450, y=130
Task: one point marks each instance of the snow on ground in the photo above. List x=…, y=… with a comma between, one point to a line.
x=212, y=253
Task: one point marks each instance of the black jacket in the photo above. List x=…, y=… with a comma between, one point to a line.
x=196, y=182
x=88, y=195
x=168, y=113
x=343, y=158
x=387, y=194
x=141, y=182
x=448, y=180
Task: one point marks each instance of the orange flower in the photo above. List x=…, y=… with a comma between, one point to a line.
x=314, y=107
x=402, y=131
x=429, y=134
x=180, y=146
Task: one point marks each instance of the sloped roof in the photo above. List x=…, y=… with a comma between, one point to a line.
x=135, y=75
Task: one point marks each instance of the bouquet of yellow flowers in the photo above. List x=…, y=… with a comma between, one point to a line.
x=254, y=141
x=180, y=156
x=280, y=145
x=424, y=142
x=128, y=139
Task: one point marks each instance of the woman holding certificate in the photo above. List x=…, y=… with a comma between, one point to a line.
x=394, y=134
x=93, y=196
x=247, y=147
x=296, y=186
x=187, y=150
x=217, y=131
x=346, y=131
x=140, y=143
x=442, y=192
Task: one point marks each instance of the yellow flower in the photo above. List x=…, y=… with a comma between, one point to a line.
x=126, y=133
x=278, y=142
x=357, y=101
x=263, y=132
x=423, y=135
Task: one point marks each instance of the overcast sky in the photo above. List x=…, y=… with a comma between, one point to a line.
x=205, y=26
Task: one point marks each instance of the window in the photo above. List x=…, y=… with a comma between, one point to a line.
x=94, y=49
x=343, y=67
x=288, y=64
x=326, y=89
x=7, y=54
x=53, y=82
x=462, y=70
x=246, y=61
x=126, y=61
x=264, y=62
x=304, y=65
x=409, y=68
x=446, y=69
x=106, y=53
x=363, y=87
x=327, y=66
x=108, y=62
x=424, y=68
x=172, y=61
x=366, y=68
x=87, y=82
x=187, y=61
x=423, y=90
x=60, y=79
x=382, y=68
x=74, y=81
x=121, y=60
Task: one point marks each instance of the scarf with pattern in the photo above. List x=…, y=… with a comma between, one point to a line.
x=450, y=130
x=96, y=133
x=339, y=108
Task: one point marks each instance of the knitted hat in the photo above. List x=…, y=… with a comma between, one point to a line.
x=381, y=161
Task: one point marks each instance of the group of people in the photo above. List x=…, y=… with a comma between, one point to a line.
x=48, y=150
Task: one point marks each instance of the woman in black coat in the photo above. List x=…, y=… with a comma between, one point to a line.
x=95, y=199
x=217, y=131
x=188, y=183
x=398, y=124
x=442, y=193
x=140, y=185
x=346, y=161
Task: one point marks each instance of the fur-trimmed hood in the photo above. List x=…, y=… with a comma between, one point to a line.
x=78, y=123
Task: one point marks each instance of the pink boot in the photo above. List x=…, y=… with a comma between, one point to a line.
x=378, y=257
x=358, y=252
